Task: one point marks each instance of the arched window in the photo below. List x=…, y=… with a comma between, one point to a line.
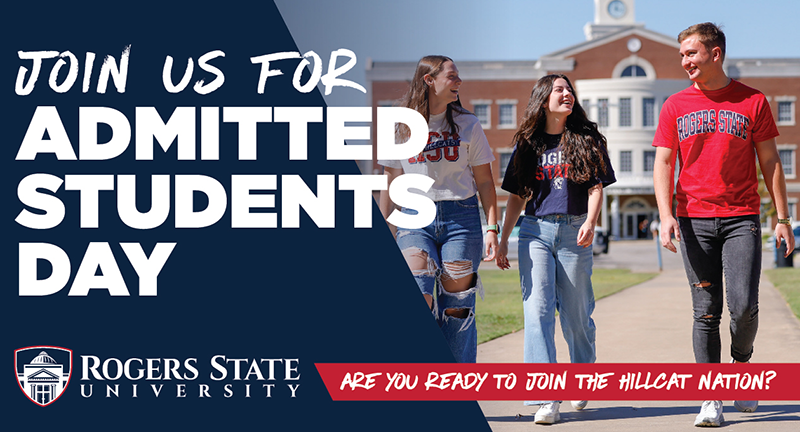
x=633, y=71
x=635, y=204
x=634, y=67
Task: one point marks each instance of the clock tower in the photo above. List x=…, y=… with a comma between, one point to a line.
x=610, y=16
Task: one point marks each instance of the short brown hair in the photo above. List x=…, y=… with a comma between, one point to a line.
x=709, y=34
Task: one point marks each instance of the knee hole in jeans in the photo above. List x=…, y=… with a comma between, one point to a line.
x=463, y=291
x=462, y=313
x=709, y=318
x=419, y=262
x=702, y=284
x=458, y=276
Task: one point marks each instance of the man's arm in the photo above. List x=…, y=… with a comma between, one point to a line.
x=771, y=168
x=663, y=182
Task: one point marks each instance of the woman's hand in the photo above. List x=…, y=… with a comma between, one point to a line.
x=490, y=240
x=502, y=256
x=586, y=234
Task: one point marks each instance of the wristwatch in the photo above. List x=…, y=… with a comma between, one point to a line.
x=787, y=221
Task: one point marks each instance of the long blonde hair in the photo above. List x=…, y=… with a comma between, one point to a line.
x=416, y=97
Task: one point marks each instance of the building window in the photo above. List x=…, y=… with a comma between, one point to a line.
x=787, y=160
x=633, y=71
x=793, y=209
x=634, y=66
x=508, y=114
x=648, y=112
x=505, y=159
x=624, y=112
x=483, y=110
x=649, y=160
x=602, y=112
x=626, y=161
x=785, y=112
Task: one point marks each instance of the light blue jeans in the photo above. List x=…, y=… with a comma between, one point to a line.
x=452, y=246
x=556, y=275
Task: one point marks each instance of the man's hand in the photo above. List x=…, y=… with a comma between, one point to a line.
x=669, y=225
x=784, y=232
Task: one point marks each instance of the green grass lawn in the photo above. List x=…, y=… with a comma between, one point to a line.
x=787, y=280
x=501, y=311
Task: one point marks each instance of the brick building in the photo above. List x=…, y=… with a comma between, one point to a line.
x=623, y=73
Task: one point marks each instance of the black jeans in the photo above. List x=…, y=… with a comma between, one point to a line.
x=712, y=247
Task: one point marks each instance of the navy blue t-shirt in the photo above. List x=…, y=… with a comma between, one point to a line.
x=554, y=192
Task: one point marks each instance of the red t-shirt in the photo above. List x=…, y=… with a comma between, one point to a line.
x=714, y=133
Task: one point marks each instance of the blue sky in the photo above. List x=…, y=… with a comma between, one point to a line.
x=405, y=30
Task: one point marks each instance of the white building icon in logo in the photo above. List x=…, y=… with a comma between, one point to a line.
x=43, y=379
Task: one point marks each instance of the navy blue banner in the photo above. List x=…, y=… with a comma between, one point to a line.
x=183, y=318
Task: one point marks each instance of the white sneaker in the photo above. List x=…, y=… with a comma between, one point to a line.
x=745, y=406
x=710, y=414
x=548, y=413
x=579, y=405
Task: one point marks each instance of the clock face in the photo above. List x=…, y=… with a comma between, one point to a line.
x=616, y=9
x=634, y=45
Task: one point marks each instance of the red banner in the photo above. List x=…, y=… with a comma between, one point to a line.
x=558, y=381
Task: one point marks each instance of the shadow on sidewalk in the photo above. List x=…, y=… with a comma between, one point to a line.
x=765, y=413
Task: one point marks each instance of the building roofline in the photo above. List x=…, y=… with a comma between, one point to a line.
x=762, y=67
x=469, y=70
x=765, y=61
x=637, y=29
x=507, y=70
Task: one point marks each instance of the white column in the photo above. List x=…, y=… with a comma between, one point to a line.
x=615, y=217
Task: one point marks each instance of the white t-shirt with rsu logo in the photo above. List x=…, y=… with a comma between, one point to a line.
x=448, y=158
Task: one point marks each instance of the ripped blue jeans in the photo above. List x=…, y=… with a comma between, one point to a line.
x=713, y=248
x=451, y=246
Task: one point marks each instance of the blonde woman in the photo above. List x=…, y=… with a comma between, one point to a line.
x=444, y=256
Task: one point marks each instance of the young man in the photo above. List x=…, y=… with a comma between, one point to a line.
x=717, y=126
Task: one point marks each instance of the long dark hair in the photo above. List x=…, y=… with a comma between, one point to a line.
x=582, y=144
x=416, y=97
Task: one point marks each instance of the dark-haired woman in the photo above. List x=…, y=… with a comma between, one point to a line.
x=444, y=256
x=557, y=173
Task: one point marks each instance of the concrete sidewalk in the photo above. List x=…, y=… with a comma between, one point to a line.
x=652, y=323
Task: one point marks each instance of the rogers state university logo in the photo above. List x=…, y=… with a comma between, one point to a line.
x=43, y=372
